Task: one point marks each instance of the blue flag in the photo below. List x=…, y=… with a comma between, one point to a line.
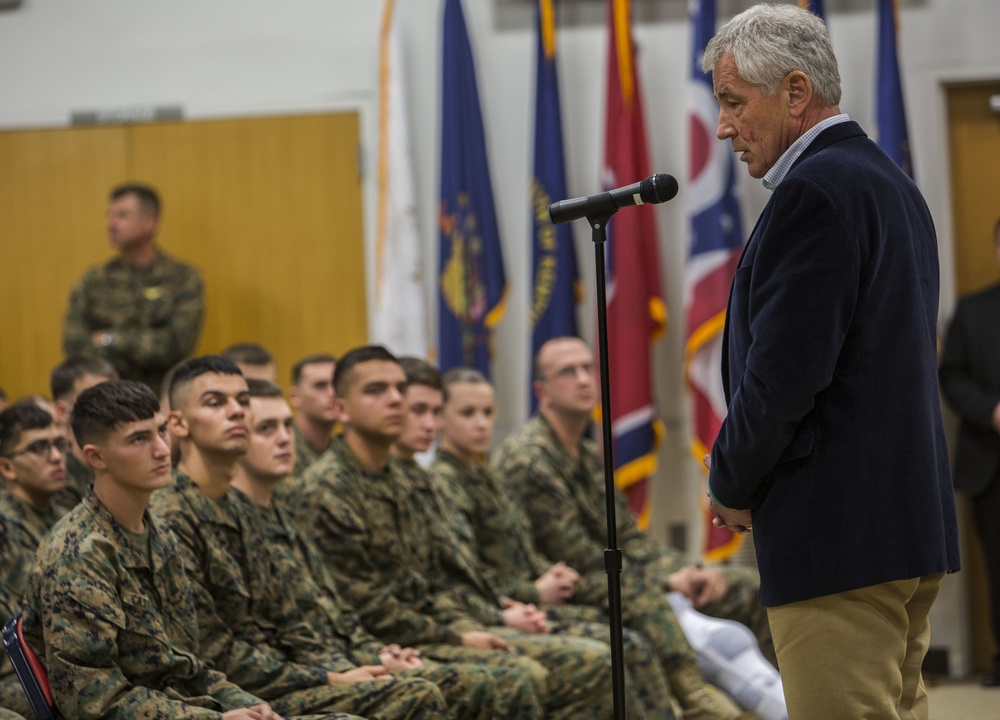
x=555, y=279
x=890, y=117
x=471, y=283
x=815, y=7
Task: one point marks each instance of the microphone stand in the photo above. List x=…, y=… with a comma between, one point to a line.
x=612, y=553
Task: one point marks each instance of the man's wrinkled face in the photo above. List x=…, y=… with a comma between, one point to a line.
x=757, y=124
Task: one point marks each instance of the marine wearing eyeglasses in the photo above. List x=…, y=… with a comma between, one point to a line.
x=33, y=466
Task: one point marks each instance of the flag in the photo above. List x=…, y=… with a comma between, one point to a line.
x=555, y=282
x=815, y=7
x=714, y=249
x=472, y=285
x=636, y=312
x=400, y=318
x=890, y=116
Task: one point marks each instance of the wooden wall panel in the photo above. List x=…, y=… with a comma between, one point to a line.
x=270, y=210
x=53, y=195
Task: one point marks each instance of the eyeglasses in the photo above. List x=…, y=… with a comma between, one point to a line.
x=42, y=448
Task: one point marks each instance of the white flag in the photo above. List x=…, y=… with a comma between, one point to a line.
x=400, y=317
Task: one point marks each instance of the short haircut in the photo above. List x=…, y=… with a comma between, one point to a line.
x=461, y=375
x=315, y=359
x=168, y=378
x=188, y=370
x=149, y=200
x=65, y=374
x=420, y=372
x=248, y=353
x=102, y=408
x=263, y=388
x=3, y=394
x=22, y=415
x=536, y=362
x=769, y=41
x=365, y=353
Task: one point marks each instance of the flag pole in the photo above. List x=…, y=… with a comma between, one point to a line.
x=612, y=553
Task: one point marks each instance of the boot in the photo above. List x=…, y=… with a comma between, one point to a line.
x=701, y=701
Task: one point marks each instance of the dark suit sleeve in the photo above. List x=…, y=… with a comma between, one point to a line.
x=796, y=297
x=965, y=392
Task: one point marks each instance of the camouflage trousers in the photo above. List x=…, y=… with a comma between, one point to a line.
x=19, y=702
x=647, y=694
x=645, y=609
x=396, y=699
x=468, y=689
x=578, y=680
x=519, y=681
x=568, y=678
x=12, y=697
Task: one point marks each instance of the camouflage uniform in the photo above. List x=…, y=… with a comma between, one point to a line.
x=6, y=714
x=15, y=564
x=305, y=454
x=469, y=689
x=565, y=501
x=79, y=478
x=496, y=533
x=111, y=615
x=250, y=627
x=375, y=532
x=154, y=311
x=23, y=526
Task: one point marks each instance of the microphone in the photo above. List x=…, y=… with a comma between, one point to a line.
x=654, y=189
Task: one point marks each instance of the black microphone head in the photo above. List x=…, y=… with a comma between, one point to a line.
x=658, y=188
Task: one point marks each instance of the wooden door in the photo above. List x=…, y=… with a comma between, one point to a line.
x=974, y=146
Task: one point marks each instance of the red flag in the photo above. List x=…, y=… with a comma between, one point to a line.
x=636, y=311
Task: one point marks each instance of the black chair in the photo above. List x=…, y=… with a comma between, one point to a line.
x=30, y=672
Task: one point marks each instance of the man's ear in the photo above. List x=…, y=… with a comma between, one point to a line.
x=340, y=411
x=62, y=409
x=536, y=387
x=177, y=424
x=799, y=90
x=151, y=222
x=293, y=396
x=94, y=457
x=7, y=469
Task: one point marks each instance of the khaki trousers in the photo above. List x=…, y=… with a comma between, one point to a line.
x=856, y=655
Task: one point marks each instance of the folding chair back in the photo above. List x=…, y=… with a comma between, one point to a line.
x=30, y=672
